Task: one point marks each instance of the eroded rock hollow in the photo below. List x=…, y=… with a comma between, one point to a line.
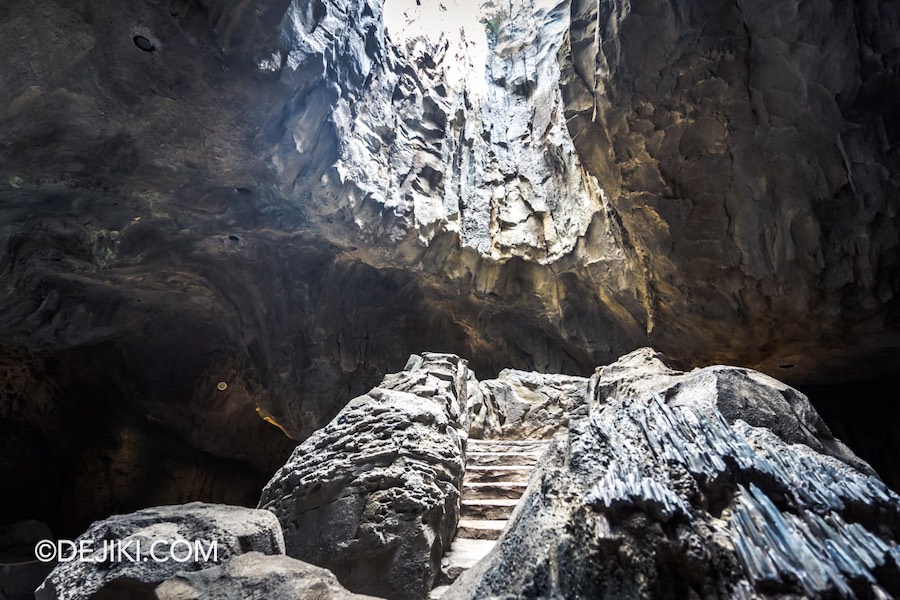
x=219, y=222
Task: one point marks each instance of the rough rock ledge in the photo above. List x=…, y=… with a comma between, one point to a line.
x=374, y=495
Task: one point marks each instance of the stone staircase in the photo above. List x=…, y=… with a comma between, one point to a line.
x=497, y=473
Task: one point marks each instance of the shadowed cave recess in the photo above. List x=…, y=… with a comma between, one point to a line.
x=220, y=222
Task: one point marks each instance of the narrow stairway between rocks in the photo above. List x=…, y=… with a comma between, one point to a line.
x=497, y=473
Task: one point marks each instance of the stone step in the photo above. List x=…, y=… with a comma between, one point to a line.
x=511, y=473
x=506, y=446
x=462, y=555
x=499, y=508
x=529, y=457
x=497, y=473
x=480, y=529
x=493, y=489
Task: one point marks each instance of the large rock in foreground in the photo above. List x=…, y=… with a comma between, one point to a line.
x=374, y=495
x=671, y=485
x=20, y=571
x=736, y=393
x=255, y=576
x=155, y=544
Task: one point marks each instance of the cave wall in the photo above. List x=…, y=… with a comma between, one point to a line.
x=750, y=150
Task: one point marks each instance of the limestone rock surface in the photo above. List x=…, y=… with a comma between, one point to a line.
x=250, y=203
x=734, y=392
x=256, y=576
x=657, y=495
x=155, y=544
x=470, y=138
x=750, y=154
x=526, y=405
x=374, y=495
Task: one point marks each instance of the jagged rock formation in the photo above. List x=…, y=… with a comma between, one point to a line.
x=157, y=543
x=374, y=495
x=735, y=393
x=663, y=489
x=720, y=482
x=255, y=576
x=750, y=153
x=471, y=139
x=525, y=405
x=281, y=195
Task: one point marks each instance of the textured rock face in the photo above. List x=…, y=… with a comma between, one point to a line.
x=255, y=576
x=735, y=393
x=470, y=137
x=136, y=252
x=660, y=492
x=374, y=495
x=176, y=219
x=750, y=152
x=525, y=405
x=167, y=533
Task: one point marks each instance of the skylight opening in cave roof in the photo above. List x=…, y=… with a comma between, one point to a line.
x=461, y=22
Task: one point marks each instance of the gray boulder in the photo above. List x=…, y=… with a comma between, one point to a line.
x=374, y=495
x=655, y=493
x=525, y=405
x=154, y=544
x=736, y=393
x=256, y=576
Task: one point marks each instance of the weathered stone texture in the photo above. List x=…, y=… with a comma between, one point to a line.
x=735, y=393
x=152, y=533
x=750, y=152
x=374, y=495
x=255, y=576
x=526, y=405
x=289, y=195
